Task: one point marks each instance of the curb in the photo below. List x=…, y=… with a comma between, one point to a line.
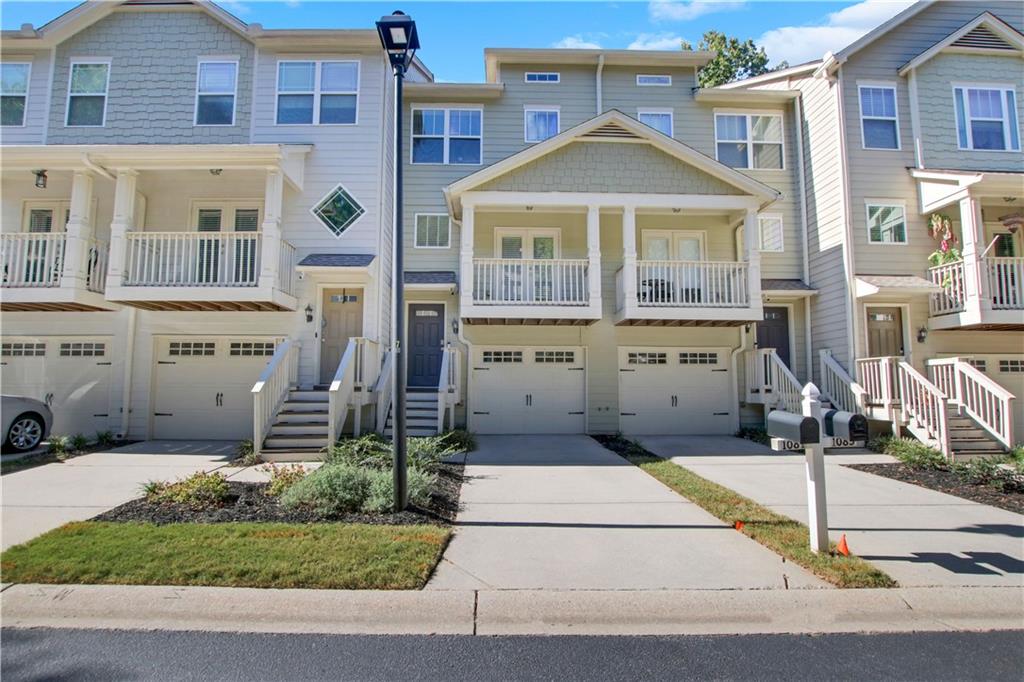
x=513, y=612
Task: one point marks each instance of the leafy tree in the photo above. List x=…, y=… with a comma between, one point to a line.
x=735, y=59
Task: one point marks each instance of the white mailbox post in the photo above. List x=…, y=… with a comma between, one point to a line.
x=814, y=466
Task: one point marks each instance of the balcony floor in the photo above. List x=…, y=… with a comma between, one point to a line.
x=53, y=299
x=987, y=320
x=199, y=299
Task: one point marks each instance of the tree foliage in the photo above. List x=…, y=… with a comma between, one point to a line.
x=735, y=60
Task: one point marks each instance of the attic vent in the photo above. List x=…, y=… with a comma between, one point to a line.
x=982, y=37
x=611, y=131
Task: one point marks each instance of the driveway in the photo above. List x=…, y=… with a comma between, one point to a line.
x=562, y=512
x=918, y=536
x=45, y=497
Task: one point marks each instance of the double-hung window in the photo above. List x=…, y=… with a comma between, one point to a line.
x=749, y=140
x=216, y=83
x=540, y=123
x=317, y=92
x=659, y=119
x=87, y=93
x=879, y=126
x=986, y=118
x=447, y=136
x=13, y=92
x=433, y=231
x=887, y=222
x=770, y=238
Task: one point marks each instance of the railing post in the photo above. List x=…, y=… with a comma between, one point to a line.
x=271, y=228
x=629, y=274
x=466, y=276
x=123, y=222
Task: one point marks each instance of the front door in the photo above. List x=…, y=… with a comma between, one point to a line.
x=885, y=332
x=342, y=319
x=426, y=343
x=773, y=332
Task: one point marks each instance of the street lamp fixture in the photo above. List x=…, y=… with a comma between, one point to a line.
x=400, y=42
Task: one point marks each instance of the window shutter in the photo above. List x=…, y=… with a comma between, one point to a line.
x=961, y=118
x=1011, y=113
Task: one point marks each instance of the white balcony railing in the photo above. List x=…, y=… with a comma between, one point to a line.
x=286, y=268
x=193, y=259
x=543, y=282
x=951, y=278
x=1006, y=282
x=32, y=260
x=692, y=284
x=97, y=256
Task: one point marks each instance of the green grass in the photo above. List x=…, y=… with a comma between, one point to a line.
x=781, y=534
x=279, y=555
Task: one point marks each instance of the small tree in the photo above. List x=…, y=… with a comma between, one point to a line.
x=735, y=59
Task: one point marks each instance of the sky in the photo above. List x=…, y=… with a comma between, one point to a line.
x=454, y=34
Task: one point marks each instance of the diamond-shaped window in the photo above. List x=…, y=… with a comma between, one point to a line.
x=338, y=210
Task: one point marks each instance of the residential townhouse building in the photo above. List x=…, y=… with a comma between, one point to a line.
x=917, y=121
x=227, y=196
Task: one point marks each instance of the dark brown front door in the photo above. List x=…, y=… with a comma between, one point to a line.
x=773, y=332
x=342, y=319
x=885, y=332
x=426, y=343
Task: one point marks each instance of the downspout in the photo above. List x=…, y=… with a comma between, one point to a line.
x=915, y=119
x=600, y=71
x=96, y=168
x=848, y=263
x=129, y=363
x=734, y=386
x=801, y=183
x=468, y=353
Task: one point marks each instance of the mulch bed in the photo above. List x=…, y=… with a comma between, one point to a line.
x=249, y=502
x=949, y=483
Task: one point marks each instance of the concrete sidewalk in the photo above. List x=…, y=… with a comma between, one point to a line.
x=512, y=612
x=918, y=536
x=45, y=497
x=562, y=512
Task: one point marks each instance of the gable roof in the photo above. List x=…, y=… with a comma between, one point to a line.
x=986, y=33
x=612, y=126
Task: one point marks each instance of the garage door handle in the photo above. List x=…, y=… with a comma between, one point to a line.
x=165, y=362
x=575, y=369
x=482, y=369
x=719, y=370
x=720, y=414
x=627, y=370
x=575, y=413
x=101, y=415
x=475, y=412
x=104, y=363
x=163, y=414
x=627, y=414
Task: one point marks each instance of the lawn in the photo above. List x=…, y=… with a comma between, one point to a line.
x=781, y=534
x=270, y=555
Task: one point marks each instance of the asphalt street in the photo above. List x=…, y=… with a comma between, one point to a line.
x=51, y=654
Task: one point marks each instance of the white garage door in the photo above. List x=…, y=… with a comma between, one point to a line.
x=202, y=386
x=70, y=374
x=674, y=391
x=1007, y=370
x=528, y=390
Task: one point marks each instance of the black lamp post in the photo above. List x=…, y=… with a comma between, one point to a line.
x=398, y=36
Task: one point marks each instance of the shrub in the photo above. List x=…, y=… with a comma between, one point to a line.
x=58, y=445
x=283, y=477
x=980, y=471
x=915, y=454
x=79, y=442
x=331, y=490
x=105, y=438
x=246, y=453
x=198, y=491
x=756, y=434
x=382, y=489
x=374, y=452
x=459, y=441
x=879, y=443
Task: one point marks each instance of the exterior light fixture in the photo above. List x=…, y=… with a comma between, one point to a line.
x=309, y=313
x=400, y=42
x=216, y=171
x=922, y=334
x=40, y=178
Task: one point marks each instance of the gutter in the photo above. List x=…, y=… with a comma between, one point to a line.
x=96, y=168
x=847, y=250
x=805, y=232
x=733, y=385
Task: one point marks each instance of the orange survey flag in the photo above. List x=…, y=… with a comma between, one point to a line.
x=841, y=547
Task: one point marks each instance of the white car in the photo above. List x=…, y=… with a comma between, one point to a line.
x=26, y=422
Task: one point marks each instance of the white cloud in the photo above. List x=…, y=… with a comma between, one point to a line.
x=656, y=41
x=685, y=10
x=797, y=44
x=576, y=42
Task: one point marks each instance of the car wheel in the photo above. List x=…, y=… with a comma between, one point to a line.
x=25, y=433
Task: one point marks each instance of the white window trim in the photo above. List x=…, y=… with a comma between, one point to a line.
x=782, y=232
x=28, y=88
x=877, y=203
x=106, y=90
x=748, y=113
x=556, y=74
x=446, y=136
x=1003, y=88
x=317, y=92
x=528, y=234
x=662, y=111
x=528, y=108
x=887, y=85
x=673, y=238
x=654, y=75
x=234, y=93
x=227, y=207
x=416, y=231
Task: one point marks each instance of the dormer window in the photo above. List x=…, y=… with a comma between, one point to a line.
x=542, y=77
x=986, y=118
x=87, y=94
x=13, y=92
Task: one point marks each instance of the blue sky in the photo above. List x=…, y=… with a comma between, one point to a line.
x=454, y=34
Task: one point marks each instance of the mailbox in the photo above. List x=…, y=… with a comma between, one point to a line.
x=794, y=427
x=846, y=425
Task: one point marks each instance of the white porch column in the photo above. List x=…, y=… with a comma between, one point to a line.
x=122, y=224
x=79, y=232
x=629, y=256
x=750, y=240
x=466, y=257
x=270, y=253
x=594, y=252
x=975, y=274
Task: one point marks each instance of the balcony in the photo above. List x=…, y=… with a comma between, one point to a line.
x=36, y=276
x=981, y=293
x=540, y=282
x=685, y=293
x=204, y=271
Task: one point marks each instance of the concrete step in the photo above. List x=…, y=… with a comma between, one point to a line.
x=306, y=429
x=296, y=441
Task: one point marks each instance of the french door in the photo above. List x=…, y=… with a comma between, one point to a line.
x=532, y=279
